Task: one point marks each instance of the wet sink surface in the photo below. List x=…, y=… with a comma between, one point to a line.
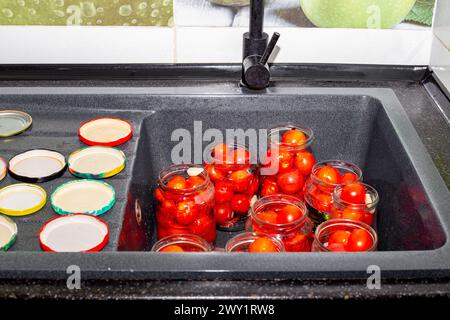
x=366, y=126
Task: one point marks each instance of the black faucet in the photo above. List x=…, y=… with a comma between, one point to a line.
x=255, y=70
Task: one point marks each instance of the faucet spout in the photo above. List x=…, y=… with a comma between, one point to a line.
x=256, y=52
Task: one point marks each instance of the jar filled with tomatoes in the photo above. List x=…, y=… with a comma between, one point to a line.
x=254, y=242
x=182, y=243
x=355, y=201
x=284, y=217
x=288, y=162
x=185, y=202
x=234, y=172
x=344, y=235
x=319, y=188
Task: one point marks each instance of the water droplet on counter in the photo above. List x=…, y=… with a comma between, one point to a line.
x=166, y=3
x=21, y=3
x=31, y=12
x=59, y=3
x=125, y=10
x=100, y=10
x=155, y=13
x=8, y=13
x=59, y=13
x=142, y=5
x=88, y=8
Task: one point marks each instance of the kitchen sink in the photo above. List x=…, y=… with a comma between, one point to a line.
x=367, y=126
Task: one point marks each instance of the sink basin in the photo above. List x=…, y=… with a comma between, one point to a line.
x=366, y=126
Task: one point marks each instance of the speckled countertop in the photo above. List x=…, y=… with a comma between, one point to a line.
x=423, y=105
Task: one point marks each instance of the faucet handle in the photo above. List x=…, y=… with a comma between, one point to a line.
x=267, y=53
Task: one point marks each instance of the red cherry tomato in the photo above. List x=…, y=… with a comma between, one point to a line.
x=223, y=213
x=289, y=213
x=290, y=182
x=349, y=177
x=177, y=182
x=329, y=174
x=220, y=153
x=193, y=182
x=353, y=214
x=340, y=237
x=354, y=193
x=186, y=212
x=262, y=244
x=268, y=216
x=359, y=240
x=214, y=173
x=269, y=188
x=241, y=180
x=304, y=161
x=282, y=157
x=294, y=137
x=323, y=202
x=223, y=191
x=172, y=248
x=203, y=225
x=241, y=156
x=336, y=247
x=240, y=203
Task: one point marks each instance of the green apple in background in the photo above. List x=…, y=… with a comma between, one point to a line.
x=356, y=13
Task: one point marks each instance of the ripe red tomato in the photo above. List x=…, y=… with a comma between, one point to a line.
x=262, y=244
x=223, y=191
x=354, y=193
x=353, y=214
x=359, y=240
x=214, y=173
x=304, y=161
x=240, y=203
x=349, y=177
x=193, y=182
x=269, y=188
x=177, y=182
x=241, y=156
x=186, y=212
x=223, y=213
x=339, y=237
x=172, y=248
x=289, y=213
x=280, y=157
x=268, y=216
x=323, y=202
x=329, y=174
x=241, y=180
x=294, y=137
x=203, y=225
x=220, y=153
x=336, y=247
x=290, y=182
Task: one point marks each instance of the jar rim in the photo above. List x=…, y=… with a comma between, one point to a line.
x=346, y=222
x=175, y=239
x=177, y=168
x=279, y=198
x=249, y=236
x=339, y=164
x=273, y=136
x=369, y=189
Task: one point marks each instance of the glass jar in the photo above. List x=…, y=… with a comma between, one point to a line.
x=319, y=188
x=284, y=217
x=254, y=242
x=182, y=243
x=288, y=162
x=344, y=235
x=355, y=201
x=234, y=172
x=185, y=202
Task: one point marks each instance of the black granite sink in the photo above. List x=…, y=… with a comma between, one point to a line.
x=366, y=126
